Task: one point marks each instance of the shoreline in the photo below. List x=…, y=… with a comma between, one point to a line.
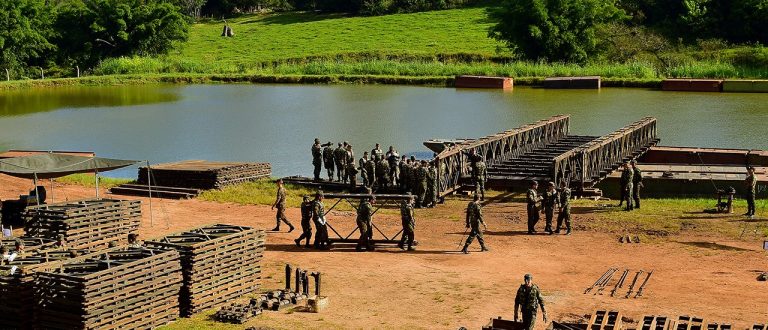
x=437, y=81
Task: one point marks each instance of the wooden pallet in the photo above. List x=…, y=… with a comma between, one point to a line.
x=653, y=322
x=200, y=174
x=605, y=320
x=85, y=224
x=219, y=263
x=116, y=289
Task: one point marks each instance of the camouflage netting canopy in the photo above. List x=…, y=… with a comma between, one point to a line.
x=50, y=165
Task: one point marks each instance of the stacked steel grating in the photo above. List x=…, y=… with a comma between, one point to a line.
x=219, y=263
x=85, y=224
x=31, y=244
x=117, y=289
x=16, y=286
x=199, y=174
x=237, y=313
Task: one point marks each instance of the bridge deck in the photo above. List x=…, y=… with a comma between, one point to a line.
x=535, y=164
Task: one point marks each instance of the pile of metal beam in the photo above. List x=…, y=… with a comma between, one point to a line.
x=116, y=289
x=85, y=224
x=200, y=174
x=16, y=286
x=636, y=287
x=219, y=263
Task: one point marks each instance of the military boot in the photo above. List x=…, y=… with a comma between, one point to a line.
x=290, y=228
x=484, y=248
x=464, y=250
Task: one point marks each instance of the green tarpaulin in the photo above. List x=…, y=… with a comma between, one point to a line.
x=50, y=165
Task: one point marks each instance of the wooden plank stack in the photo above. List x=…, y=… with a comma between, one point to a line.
x=219, y=263
x=31, y=244
x=200, y=174
x=85, y=224
x=119, y=289
x=16, y=289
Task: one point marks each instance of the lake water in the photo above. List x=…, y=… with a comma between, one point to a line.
x=277, y=123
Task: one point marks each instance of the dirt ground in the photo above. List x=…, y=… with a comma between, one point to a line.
x=438, y=288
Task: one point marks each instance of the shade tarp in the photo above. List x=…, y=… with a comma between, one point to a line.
x=50, y=165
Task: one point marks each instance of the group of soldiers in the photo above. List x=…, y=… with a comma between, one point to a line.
x=631, y=181
x=550, y=200
x=378, y=170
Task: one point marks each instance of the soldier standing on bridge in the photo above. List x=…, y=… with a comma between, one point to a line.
x=421, y=184
x=382, y=172
x=350, y=161
x=409, y=223
x=280, y=204
x=317, y=158
x=328, y=160
x=306, y=226
x=340, y=158
x=393, y=158
x=637, y=183
x=370, y=171
x=474, y=220
x=479, y=175
x=529, y=299
x=363, y=171
x=751, y=187
x=627, y=176
x=532, y=200
x=376, y=151
x=565, y=208
x=550, y=202
x=431, y=194
x=403, y=179
x=364, y=214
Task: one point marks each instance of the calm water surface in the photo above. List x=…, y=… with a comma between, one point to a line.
x=277, y=123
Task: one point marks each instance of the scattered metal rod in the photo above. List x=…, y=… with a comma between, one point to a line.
x=317, y=277
x=288, y=271
x=298, y=279
x=634, y=281
x=597, y=282
x=305, y=282
x=620, y=283
x=640, y=291
x=606, y=280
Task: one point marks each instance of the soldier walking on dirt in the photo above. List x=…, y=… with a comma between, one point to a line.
x=318, y=217
x=474, y=220
x=565, y=208
x=280, y=204
x=751, y=187
x=627, y=176
x=409, y=223
x=532, y=200
x=317, y=158
x=328, y=160
x=364, y=214
x=529, y=299
x=550, y=203
x=637, y=183
x=306, y=226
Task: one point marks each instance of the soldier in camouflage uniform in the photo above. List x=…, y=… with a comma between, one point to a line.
x=637, y=183
x=532, y=200
x=529, y=299
x=376, y=151
x=382, y=171
x=751, y=188
x=340, y=158
x=364, y=214
x=403, y=177
x=370, y=171
x=474, y=220
x=363, y=172
x=550, y=202
x=408, y=222
x=430, y=196
x=317, y=158
x=565, y=208
x=328, y=160
x=352, y=175
x=306, y=218
x=479, y=176
x=421, y=184
x=627, y=176
x=318, y=217
x=280, y=204
x=393, y=160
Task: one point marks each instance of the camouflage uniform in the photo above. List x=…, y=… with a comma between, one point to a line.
x=363, y=172
x=474, y=220
x=352, y=174
x=317, y=159
x=409, y=225
x=321, y=229
x=637, y=181
x=364, y=213
x=529, y=299
x=280, y=204
x=328, y=161
x=565, y=210
x=393, y=160
x=421, y=186
x=532, y=200
x=370, y=171
x=431, y=192
x=550, y=203
x=382, y=172
x=479, y=174
x=340, y=158
x=751, y=187
x=627, y=176
x=306, y=226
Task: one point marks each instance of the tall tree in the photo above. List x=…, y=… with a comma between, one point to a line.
x=24, y=32
x=552, y=30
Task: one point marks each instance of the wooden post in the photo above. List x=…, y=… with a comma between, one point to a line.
x=7, y=75
x=78, y=71
x=42, y=74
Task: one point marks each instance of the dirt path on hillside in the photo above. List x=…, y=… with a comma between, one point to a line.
x=438, y=288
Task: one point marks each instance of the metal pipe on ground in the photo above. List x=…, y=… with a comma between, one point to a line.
x=634, y=281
